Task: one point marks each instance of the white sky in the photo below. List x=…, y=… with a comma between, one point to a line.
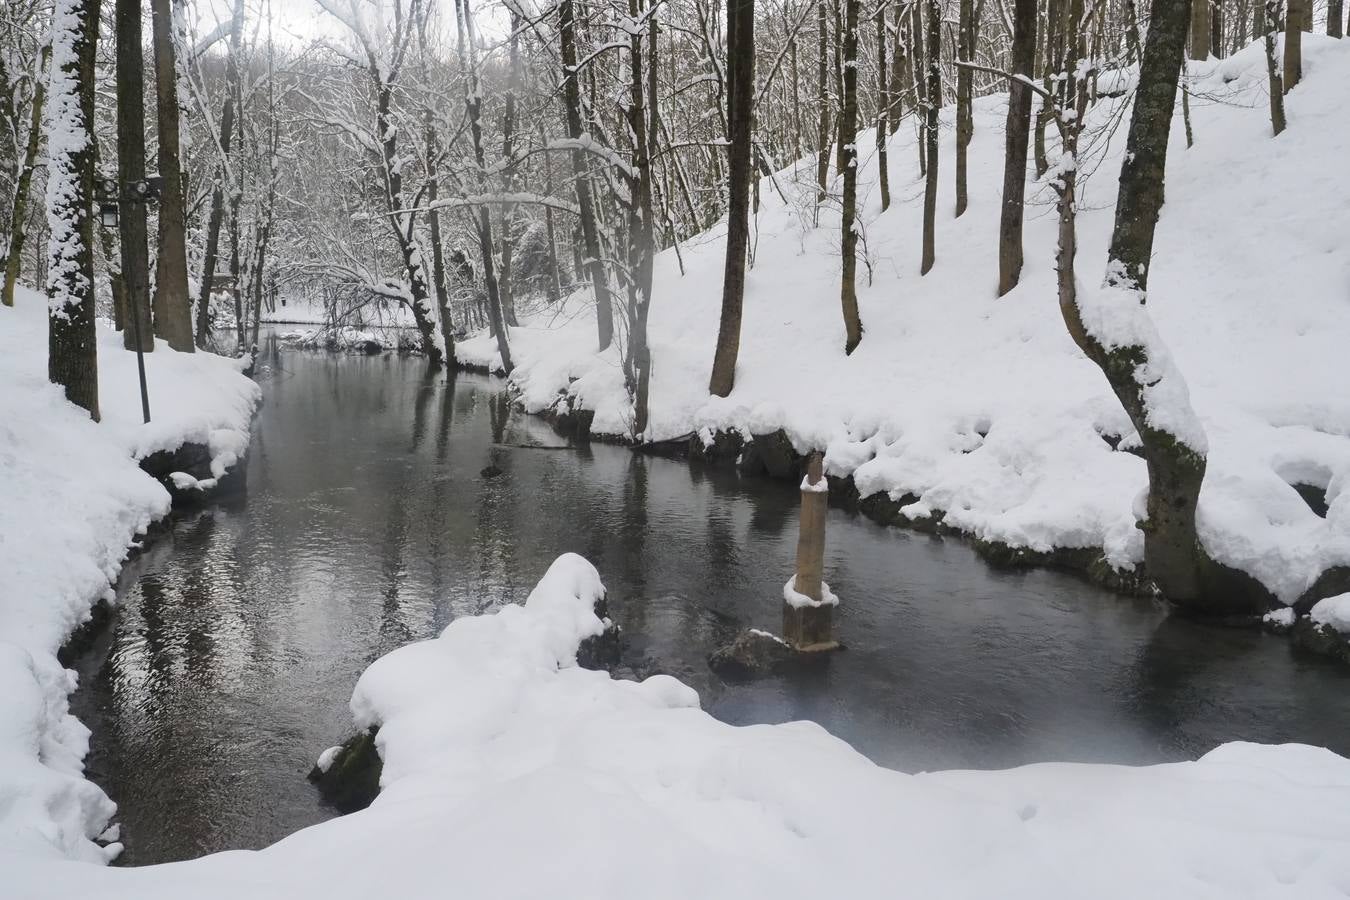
x=299, y=22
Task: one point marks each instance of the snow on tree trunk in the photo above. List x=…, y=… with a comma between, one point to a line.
x=848, y=138
x=822, y=100
x=1268, y=12
x=593, y=262
x=884, y=101
x=1112, y=327
x=72, y=360
x=18, y=227
x=933, y=101
x=217, y=214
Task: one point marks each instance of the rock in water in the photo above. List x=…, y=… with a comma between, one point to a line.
x=753, y=654
x=348, y=777
x=490, y=471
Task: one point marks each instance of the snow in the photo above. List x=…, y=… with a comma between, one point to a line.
x=983, y=408
x=509, y=772
x=326, y=758
x=795, y=599
x=73, y=500
x=1283, y=617
x=1333, y=612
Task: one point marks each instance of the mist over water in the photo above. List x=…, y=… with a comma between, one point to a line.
x=367, y=524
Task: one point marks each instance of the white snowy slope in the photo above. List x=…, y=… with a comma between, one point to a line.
x=1250, y=288
x=71, y=500
x=511, y=773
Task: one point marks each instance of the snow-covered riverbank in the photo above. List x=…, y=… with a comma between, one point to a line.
x=74, y=500
x=982, y=409
x=509, y=772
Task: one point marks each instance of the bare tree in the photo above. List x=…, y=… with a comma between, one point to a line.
x=173, y=313
x=1269, y=14
x=848, y=139
x=18, y=224
x=1132, y=356
x=1017, y=133
x=72, y=347
x=932, y=101
x=1296, y=11
x=594, y=261
x=222, y=176
x=133, y=222
x=740, y=107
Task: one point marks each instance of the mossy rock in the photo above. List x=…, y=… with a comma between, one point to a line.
x=1330, y=583
x=725, y=448
x=601, y=651
x=352, y=779
x=1321, y=639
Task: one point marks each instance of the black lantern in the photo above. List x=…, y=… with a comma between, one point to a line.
x=107, y=215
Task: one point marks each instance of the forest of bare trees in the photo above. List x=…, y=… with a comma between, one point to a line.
x=471, y=162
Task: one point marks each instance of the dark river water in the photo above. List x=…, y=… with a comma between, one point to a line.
x=367, y=524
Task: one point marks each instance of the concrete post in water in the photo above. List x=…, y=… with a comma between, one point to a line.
x=808, y=604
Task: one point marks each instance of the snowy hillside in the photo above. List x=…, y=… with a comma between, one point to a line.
x=74, y=499
x=983, y=408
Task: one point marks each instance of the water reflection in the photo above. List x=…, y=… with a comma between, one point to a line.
x=368, y=524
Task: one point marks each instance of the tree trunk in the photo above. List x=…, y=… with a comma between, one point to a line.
x=594, y=262
x=1172, y=438
x=217, y=214
x=439, y=284
x=18, y=231
x=506, y=239
x=933, y=99
x=1216, y=28
x=641, y=235
x=848, y=139
x=554, y=284
x=1335, y=18
x=965, y=89
x=1200, y=29
x=473, y=105
x=883, y=104
x=72, y=346
x=1269, y=14
x=133, y=222
x=173, y=312
x=1015, y=147
x=740, y=104
x=1293, y=42
x=822, y=101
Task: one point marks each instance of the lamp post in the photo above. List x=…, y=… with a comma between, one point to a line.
x=110, y=198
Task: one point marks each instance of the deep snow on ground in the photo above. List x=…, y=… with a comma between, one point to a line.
x=72, y=498
x=300, y=311
x=511, y=773
x=983, y=408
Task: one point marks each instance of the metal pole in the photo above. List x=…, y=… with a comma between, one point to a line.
x=140, y=354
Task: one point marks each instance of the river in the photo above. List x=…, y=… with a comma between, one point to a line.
x=367, y=523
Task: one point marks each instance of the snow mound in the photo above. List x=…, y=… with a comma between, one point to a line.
x=982, y=408
x=1333, y=612
x=73, y=500
x=512, y=773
